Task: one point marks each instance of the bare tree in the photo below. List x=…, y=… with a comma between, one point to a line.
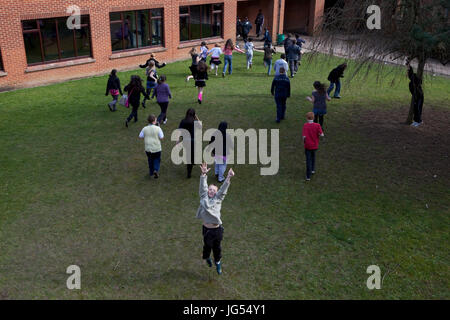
x=409, y=30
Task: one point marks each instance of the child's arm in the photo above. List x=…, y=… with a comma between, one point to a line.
x=310, y=98
x=203, y=188
x=160, y=134
x=223, y=189
x=151, y=75
x=120, y=90
x=141, y=135
x=170, y=93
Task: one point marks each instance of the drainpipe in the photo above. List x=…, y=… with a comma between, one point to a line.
x=279, y=15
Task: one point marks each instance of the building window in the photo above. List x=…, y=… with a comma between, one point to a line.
x=49, y=40
x=200, y=22
x=1, y=62
x=136, y=29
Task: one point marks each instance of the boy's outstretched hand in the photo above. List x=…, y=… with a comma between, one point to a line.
x=230, y=174
x=204, y=168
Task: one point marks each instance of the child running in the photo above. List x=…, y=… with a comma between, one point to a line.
x=249, y=51
x=311, y=133
x=319, y=99
x=215, y=57
x=152, y=135
x=162, y=93
x=228, y=53
x=113, y=88
x=209, y=211
x=152, y=79
x=221, y=152
x=203, y=51
x=134, y=89
x=195, y=59
x=200, y=79
x=268, y=53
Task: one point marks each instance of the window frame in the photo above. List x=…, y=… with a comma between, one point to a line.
x=121, y=21
x=58, y=40
x=2, y=67
x=212, y=12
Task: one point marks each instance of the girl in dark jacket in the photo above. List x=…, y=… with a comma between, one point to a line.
x=188, y=123
x=134, y=89
x=113, y=88
x=334, y=77
x=200, y=79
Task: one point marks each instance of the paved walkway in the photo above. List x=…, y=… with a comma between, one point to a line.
x=434, y=67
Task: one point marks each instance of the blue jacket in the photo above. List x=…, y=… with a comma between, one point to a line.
x=293, y=52
x=281, y=86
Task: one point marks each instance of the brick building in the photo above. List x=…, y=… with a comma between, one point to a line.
x=37, y=46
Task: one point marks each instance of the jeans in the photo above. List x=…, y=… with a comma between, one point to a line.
x=220, y=170
x=268, y=62
x=293, y=66
x=338, y=89
x=281, y=107
x=162, y=115
x=154, y=160
x=418, y=104
x=211, y=240
x=249, y=59
x=113, y=103
x=310, y=162
x=229, y=63
x=133, y=113
x=319, y=118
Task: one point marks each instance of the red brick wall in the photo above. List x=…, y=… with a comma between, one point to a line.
x=13, y=49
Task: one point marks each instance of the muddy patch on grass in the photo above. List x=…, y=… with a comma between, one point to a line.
x=420, y=152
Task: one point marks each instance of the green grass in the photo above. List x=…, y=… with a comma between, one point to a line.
x=74, y=190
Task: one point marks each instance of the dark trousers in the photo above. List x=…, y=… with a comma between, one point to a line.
x=114, y=102
x=293, y=66
x=211, y=241
x=281, y=107
x=258, y=29
x=318, y=118
x=162, y=115
x=310, y=162
x=134, y=113
x=191, y=164
x=154, y=160
x=418, y=104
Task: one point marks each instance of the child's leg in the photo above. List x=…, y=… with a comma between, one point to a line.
x=114, y=102
x=316, y=118
x=330, y=88
x=222, y=169
x=321, y=120
x=150, y=164
x=156, y=161
x=207, y=245
x=216, y=241
x=313, y=160
x=308, y=163
x=270, y=66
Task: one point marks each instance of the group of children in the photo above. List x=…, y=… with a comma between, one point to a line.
x=211, y=196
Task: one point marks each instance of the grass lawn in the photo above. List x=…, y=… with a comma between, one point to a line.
x=75, y=190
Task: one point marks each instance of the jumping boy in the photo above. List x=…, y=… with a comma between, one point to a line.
x=209, y=211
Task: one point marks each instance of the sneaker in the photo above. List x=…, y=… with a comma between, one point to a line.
x=308, y=179
x=313, y=172
x=209, y=262
x=126, y=123
x=199, y=101
x=156, y=175
x=109, y=106
x=143, y=104
x=337, y=97
x=219, y=268
x=223, y=74
x=165, y=121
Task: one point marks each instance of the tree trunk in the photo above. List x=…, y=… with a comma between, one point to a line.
x=420, y=69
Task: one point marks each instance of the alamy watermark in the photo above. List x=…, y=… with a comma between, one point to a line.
x=374, y=20
x=74, y=280
x=257, y=147
x=74, y=20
